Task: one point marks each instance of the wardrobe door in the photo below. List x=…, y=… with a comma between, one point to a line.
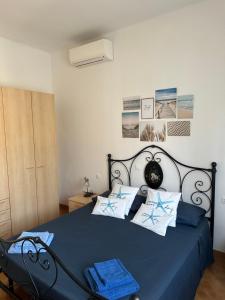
x=5, y=215
x=45, y=156
x=4, y=188
x=20, y=157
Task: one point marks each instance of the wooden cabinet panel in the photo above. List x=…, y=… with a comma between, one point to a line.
x=74, y=206
x=79, y=201
x=5, y=228
x=45, y=156
x=20, y=157
x=5, y=215
x=4, y=186
x=4, y=204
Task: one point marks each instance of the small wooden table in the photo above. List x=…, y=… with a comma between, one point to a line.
x=79, y=201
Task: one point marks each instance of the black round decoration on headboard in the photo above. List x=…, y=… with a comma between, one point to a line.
x=153, y=174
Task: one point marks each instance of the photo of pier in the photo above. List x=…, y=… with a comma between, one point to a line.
x=166, y=103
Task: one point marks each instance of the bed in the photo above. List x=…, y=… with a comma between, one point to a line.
x=166, y=267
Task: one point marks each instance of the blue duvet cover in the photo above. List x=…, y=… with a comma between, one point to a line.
x=167, y=268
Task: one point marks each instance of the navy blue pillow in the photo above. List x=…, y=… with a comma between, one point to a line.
x=189, y=214
x=138, y=200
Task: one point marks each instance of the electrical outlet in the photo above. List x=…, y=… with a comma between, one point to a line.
x=223, y=199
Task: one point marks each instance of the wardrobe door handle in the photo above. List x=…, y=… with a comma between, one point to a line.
x=29, y=168
x=42, y=166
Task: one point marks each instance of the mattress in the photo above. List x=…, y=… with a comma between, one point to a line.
x=167, y=268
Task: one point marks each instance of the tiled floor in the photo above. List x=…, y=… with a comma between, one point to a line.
x=212, y=286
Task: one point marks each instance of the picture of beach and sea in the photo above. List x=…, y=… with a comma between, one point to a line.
x=153, y=131
x=165, y=103
x=185, y=107
x=131, y=103
x=130, y=124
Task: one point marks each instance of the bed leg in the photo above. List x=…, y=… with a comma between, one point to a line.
x=134, y=297
x=10, y=284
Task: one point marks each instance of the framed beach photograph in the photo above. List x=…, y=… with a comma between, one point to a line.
x=153, y=131
x=131, y=103
x=166, y=103
x=185, y=107
x=147, y=108
x=130, y=124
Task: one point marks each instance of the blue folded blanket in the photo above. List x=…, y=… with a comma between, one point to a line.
x=111, y=279
x=46, y=237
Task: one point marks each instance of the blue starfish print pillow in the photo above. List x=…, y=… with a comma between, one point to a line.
x=150, y=218
x=126, y=193
x=111, y=207
x=166, y=203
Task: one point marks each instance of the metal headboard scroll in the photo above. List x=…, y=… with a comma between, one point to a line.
x=202, y=189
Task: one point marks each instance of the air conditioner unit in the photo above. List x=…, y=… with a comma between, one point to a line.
x=95, y=52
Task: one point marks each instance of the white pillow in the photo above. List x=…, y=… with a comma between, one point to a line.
x=165, y=202
x=150, y=218
x=111, y=207
x=127, y=193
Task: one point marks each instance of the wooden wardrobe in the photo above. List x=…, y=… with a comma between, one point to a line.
x=28, y=156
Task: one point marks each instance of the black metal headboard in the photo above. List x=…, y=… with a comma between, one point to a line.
x=198, y=183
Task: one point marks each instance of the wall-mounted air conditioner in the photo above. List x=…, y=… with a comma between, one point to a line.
x=95, y=52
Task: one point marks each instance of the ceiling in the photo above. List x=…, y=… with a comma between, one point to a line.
x=54, y=24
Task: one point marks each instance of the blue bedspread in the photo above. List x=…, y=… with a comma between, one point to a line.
x=167, y=268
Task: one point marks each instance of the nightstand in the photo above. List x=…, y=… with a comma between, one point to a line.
x=79, y=201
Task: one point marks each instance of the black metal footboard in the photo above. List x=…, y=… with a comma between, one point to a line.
x=40, y=258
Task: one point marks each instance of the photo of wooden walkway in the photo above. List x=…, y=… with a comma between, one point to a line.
x=166, y=103
x=165, y=110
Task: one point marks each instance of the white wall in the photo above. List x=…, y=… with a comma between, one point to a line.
x=24, y=67
x=184, y=49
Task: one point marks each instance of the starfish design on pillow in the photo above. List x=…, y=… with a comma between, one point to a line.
x=109, y=206
x=163, y=204
x=151, y=217
x=119, y=195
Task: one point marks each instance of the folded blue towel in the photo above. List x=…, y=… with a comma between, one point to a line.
x=42, y=235
x=113, y=293
x=111, y=279
x=113, y=273
x=46, y=237
x=98, y=285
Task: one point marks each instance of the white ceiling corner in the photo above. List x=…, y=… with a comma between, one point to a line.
x=54, y=24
